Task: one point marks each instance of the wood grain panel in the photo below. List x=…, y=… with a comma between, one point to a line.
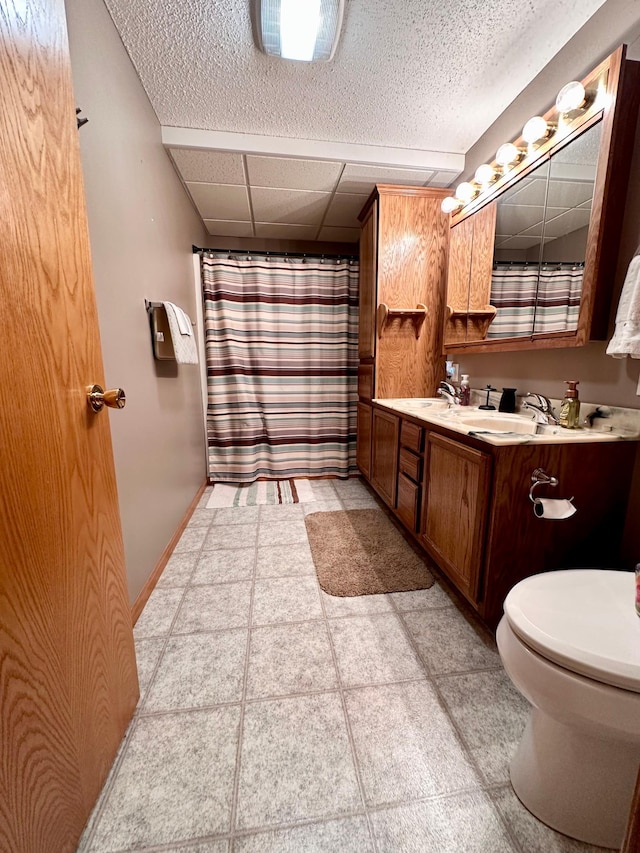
x=365, y=381
x=631, y=843
x=459, y=268
x=456, y=498
x=411, y=436
x=410, y=464
x=363, y=441
x=68, y=683
x=368, y=285
x=384, y=455
x=598, y=476
x=408, y=502
x=412, y=262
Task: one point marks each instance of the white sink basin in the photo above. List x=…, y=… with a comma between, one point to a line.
x=482, y=420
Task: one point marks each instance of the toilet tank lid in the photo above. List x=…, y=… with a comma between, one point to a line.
x=582, y=619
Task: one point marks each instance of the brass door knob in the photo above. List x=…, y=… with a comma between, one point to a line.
x=98, y=398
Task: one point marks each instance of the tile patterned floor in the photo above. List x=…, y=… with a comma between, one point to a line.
x=274, y=718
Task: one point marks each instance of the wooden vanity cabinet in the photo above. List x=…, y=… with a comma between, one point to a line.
x=385, y=432
x=403, y=257
x=456, y=503
x=467, y=503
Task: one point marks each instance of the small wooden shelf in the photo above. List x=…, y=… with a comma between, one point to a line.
x=417, y=315
x=489, y=311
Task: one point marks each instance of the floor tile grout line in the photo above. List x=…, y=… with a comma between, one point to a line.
x=233, y=816
x=331, y=817
x=135, y=720
x=461, y=738
x=352, y=744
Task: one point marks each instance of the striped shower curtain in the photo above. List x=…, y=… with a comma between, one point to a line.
x=281, y=337
x=534, y=301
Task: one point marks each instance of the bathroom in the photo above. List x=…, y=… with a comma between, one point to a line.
x=142, y=226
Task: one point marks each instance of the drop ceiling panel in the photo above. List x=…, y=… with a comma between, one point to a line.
x=443, y=179
x=209, y=167
x=289, y=206
x=569, y=193
x=520, y=242
x=571, y=220
x=532, y=192
x=293, y=174
x=357, y=178
x=220, y=201
x=339, y=235
x=344, y=209
x=280, y=231
x=228, y=229
x=513, y=218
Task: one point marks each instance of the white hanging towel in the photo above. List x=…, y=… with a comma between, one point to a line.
x=182, y=337
x=626, y=338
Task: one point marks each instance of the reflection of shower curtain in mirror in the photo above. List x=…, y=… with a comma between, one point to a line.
x=282, y=359
x=531, y=300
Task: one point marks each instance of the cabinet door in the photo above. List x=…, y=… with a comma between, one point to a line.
x=363, y=440
x=384, y=455
x=368, y=284
x=456, y=495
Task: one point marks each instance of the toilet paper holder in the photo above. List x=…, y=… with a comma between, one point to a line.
x=541, y=478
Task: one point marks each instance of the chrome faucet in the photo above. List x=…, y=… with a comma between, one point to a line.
x=542, y=407
x=450, y=394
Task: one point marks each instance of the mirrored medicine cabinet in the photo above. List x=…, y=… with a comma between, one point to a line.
x=532, y=258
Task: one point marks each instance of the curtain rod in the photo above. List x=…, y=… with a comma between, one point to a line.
x=539, y=263
x=197, y=250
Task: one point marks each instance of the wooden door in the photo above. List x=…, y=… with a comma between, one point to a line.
x=456, y=491
x=68, y=683
x=385, y=431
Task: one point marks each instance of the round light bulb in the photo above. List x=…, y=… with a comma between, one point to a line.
x=465, y=192
x=485, y=174
x=570, y=97
x=449, y=204
x=536, y=128
x=507, y=154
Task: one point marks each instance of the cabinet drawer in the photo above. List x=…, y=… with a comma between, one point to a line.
x=408, y=497
x=411, y=436
x=410, y=464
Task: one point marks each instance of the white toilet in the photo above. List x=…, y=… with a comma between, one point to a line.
x=570, y=642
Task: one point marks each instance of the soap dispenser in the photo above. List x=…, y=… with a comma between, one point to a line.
x=570, y=406
x=465, y=390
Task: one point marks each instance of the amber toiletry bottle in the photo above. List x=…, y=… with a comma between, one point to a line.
x=570, y=407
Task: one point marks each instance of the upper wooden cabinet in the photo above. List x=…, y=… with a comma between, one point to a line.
x=403, y=256
x=533, y=257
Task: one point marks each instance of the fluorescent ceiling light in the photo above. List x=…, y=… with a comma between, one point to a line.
x=306, y=30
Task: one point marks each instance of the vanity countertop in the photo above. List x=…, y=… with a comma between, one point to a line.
x=498, y=428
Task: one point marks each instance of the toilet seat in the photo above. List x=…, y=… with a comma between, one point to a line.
x=583, y=620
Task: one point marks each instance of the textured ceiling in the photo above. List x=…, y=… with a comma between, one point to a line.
x=407, y=73
x=412, y=86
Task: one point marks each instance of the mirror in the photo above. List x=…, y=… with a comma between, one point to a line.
x=542, y=226
x=533, y=253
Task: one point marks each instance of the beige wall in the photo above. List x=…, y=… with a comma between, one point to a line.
x=142, y=227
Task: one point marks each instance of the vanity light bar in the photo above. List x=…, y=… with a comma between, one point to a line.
x=571, y=99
